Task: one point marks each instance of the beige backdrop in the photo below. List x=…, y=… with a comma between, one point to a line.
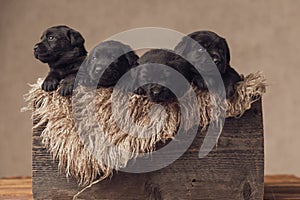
x=263, y=35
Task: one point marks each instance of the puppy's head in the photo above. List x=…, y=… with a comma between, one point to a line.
x=59, y=45
x=210, y=43
x=157, y=76
x=108, y=62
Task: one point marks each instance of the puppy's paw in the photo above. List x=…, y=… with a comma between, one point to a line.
x=66, y=89
x=84, y=82
x=199, y=83
x=50, y=84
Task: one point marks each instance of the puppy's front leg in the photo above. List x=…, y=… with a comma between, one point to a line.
x=67, y=85
x=51, y=82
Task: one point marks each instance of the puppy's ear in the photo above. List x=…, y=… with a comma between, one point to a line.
x=182, y=46
x=227, y=51
x=132, y=58
x=135, y=79
x=75, y=38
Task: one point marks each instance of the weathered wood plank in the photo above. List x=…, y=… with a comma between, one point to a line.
x=233, y=170
x=277, y=187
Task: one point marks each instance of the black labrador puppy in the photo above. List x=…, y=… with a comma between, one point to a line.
x=63, y=49
x=159, y=91
x=218, y=50
x=107, y=63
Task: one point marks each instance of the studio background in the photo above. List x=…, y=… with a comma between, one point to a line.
x=262, y=35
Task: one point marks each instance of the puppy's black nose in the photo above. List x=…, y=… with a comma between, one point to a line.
x=156, y=91
x=35, y=47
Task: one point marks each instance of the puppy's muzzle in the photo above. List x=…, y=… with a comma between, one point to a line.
x=40, y=50
x=158, y=93
x=36, y=47
x=35, y=50
x=156, y=90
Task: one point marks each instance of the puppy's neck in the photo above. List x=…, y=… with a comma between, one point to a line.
x=74, y=56
x=65, y=69
x=66, y=62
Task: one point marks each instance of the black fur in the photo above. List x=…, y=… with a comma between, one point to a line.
x=111, y=58
x=63, y=49
x=218, y=50
x=157, y=92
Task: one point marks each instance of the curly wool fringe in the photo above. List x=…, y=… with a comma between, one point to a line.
x=248, y=91
x=84, y=133
x=59, y=134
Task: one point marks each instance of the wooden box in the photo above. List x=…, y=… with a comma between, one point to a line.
x=232, y=170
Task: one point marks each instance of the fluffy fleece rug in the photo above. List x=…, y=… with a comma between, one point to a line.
x=83, y=132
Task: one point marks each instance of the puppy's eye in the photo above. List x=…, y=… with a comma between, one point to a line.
x=98, y=70
x=201, y=50
x=93, y=59
x=216, y=61
x=50, y=38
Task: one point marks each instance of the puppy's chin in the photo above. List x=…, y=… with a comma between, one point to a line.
x=102, y=83
x=162, y=100
x=106, y=82
x=109, y=79
x=45, y=58
x=165, y=97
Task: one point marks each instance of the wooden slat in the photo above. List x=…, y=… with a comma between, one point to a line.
x=20, y=187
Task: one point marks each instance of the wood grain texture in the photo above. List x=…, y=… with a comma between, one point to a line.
x=282, y=187
x=16, y=188
x=233, y=170
x=277, y=187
